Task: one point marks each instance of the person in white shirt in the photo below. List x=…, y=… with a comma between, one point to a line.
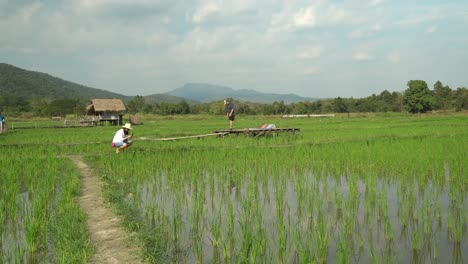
x=122, y=138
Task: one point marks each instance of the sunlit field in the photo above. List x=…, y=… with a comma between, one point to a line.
x=386, y=188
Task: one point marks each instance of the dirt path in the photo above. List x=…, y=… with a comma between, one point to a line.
x=110, y=240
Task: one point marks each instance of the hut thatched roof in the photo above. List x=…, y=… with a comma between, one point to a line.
x=106, y=105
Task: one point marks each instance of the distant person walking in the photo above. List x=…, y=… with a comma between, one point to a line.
x=230, y=113
x=2, y=123
x=122, y=138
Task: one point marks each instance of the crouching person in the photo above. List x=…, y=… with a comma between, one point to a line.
x=122, y=138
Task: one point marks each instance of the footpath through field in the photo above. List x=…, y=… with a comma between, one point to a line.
x=110, y=240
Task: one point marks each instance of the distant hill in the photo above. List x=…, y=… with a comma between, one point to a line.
x=29, y=84
x=207, y=92
x=166, y=98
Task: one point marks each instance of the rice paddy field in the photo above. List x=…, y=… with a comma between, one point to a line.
x=389, y=188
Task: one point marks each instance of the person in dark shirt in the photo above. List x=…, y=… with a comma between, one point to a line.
x=230, y=113
x=2, y=122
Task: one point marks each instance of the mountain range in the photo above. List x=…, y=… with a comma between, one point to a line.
x=29, y=84
x=208, y=92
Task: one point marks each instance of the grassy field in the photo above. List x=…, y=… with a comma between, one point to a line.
x=349, y=189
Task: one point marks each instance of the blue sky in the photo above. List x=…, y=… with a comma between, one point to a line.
x=322, y=48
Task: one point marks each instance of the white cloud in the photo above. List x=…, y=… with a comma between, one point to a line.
x=205, y=11
x=305, y=17
x=323, y=14
x=290, y=16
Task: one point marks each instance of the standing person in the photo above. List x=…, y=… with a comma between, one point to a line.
x=230, y=112
x=2, y=122
x=121, y=138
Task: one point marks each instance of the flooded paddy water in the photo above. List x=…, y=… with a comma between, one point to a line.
x=326, y=219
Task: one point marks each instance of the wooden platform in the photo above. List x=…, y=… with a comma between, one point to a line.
x=185, y=137
x=258, y=131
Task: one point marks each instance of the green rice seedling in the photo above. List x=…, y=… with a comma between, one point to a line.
x=215, y=230
x=246, y=229
x=435, y=254
x=456, y=223
x=322, y=238
x=373, y=255
x=304, y=246
x=389, y=235
x=416, y=239
x=259, y=247
x=344, y=251
x=338, y=202
x=229, y=240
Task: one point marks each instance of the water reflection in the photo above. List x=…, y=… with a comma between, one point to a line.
x=303, y=217
x=14, y=245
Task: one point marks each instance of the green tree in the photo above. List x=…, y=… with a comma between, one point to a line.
x=300, y=108
x=315, y=107
x=62, y=107
x=418, y=97
x=327, y=106
x=217, y=108
x=39, y=105
x=184, y=107
x=461, y=101
x=279, y=108
x=442, y=96
x=398, y=101
x=340, y=105
x=367, y=104
x=243, y=108
x=137, y=104
x=201, y=108
x=13, y=103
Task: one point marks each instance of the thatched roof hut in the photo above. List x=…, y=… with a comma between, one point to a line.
x=105, y=106
x=110, y=110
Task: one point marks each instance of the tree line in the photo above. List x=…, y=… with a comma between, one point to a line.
x=417, y=98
